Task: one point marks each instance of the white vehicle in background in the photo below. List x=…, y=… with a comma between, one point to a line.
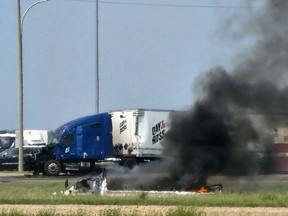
x=33, y=138
x=7, y=140
x=36, y=138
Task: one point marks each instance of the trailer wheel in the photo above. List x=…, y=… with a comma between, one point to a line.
x=52, y=168
x=130, y=163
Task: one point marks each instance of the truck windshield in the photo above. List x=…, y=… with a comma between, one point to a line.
x=55, y=138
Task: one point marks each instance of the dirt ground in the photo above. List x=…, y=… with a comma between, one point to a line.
x=142, y=210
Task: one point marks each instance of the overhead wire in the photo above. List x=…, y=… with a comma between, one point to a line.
x=173, y=5
x=166, y=5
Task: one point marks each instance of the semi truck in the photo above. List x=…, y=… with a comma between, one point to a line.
x=280, y=151
x=127, y=137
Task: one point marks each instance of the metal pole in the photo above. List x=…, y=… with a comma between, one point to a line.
x=24, y=14
x=97, y=58
x=20, y=81
x=20, y=78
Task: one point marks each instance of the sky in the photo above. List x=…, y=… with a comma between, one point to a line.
x=151, y=54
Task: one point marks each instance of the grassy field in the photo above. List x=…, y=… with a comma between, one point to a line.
x=264, y=194
x=238, y=192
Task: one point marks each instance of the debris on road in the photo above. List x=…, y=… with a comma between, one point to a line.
x=208, y=189
x=98, y=185
x=95, y=185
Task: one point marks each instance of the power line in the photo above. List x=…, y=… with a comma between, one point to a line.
x=94, y=1
x=174, y=5
x=167, y=5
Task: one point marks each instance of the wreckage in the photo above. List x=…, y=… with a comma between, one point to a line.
x=98, y=185
x=209, y=189
x=90, y=185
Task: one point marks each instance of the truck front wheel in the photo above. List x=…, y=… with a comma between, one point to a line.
x=52, y=168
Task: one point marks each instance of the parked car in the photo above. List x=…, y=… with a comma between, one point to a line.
x=9, y=159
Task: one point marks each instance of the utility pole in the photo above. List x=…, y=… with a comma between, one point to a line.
x=97, y=57
x=20, y=78
x=20, y=81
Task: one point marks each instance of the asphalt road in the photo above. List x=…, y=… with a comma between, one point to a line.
x=27, y=177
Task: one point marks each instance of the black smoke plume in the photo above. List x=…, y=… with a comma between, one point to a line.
x=226, y=129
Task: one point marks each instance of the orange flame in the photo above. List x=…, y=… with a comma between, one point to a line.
x=200, y=190
x=205, y=189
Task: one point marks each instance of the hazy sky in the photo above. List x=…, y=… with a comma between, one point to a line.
x=150, y=54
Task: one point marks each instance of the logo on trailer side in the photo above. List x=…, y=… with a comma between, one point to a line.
x=123, y=125
x=158, y=132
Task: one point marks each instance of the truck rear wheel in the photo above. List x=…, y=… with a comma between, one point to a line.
x=130, y=163
x=52, y=168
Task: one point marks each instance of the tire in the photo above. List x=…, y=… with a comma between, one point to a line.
x=52, y=168
x=130, y=163
x=96, y=168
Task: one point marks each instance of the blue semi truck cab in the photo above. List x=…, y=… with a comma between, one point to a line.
x=76, y=146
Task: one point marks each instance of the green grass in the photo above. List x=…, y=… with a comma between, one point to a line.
x=236, y=193
x=42, y=193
